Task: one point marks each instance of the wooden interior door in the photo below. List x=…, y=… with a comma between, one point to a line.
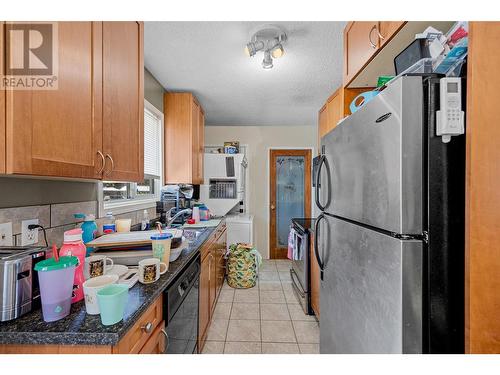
x=123, y=98
x=59, y=132
x=482, y=209
x=2, y=101
x=289, y=197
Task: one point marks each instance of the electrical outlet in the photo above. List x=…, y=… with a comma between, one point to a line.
x=29, y=237
x=6, y=234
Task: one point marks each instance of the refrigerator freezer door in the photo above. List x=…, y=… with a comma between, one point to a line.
x=371, y=294
x=375, y=161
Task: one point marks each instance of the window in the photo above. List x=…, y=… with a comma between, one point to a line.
x=117, y=195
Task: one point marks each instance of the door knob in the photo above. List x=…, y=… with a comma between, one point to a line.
x=273, y=206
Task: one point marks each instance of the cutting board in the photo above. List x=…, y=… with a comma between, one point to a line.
x=128, y=238
x=203, y=224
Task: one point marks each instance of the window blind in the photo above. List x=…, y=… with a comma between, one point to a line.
x=152, y=144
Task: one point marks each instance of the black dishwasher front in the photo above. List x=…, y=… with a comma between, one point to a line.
x=181, y=302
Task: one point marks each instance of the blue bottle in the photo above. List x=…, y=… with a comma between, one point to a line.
x=89, y=228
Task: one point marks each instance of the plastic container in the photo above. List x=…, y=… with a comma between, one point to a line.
x=145, y=220
x=108, y=225
x=161, y=244
x=112, y=300
x=91, y=287
x=204, y=213
x=56, y=286
x=89, y=228
x=196, y=214
x=123, y=225
x=73, y=246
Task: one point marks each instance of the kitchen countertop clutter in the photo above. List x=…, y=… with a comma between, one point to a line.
x=80, y=328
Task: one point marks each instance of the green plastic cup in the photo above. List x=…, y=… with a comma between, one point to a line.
x=112, y=300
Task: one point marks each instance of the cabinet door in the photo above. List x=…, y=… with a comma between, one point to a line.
x=123, y=98
x=221, y=262
x=334, y=111
x=322, y=123
x=315, y=282
x=59, y=132
x=156, y=343
x=388, y=29
x=204, y=301
x=201, y=143
x=195, y=132
x=213, y=276
x=360, y=43
x=2, y=102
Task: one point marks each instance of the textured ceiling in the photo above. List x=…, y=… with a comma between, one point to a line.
x=207, y=59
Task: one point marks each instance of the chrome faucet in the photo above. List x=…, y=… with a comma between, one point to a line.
x=170, y=220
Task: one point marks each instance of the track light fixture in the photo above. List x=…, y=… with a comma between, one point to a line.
x=270, y=39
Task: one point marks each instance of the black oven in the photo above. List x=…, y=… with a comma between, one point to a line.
x=181, y=302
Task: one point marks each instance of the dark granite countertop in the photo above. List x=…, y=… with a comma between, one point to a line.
x=78, y=328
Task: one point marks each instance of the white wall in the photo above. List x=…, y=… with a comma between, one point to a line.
x=260, y=139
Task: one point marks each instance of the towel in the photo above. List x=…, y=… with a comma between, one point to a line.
x=291, y=244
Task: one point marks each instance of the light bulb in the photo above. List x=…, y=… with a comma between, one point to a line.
x=277, y=52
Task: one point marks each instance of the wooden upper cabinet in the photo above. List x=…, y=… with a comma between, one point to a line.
x=387, y=29
x=184, y=139
x=123, y=100
x=201, y=141
x=2, y=102
x=360, y=43
x=59, y=132
x=362, y=40
x=335, y=111
x=322, y=123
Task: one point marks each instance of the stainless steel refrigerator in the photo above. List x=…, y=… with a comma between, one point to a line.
x=390, y=236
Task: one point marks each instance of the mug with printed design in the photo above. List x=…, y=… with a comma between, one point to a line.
x=150, y=270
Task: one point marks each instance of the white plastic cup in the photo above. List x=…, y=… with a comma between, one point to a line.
x=123, y=225
x=90, y=289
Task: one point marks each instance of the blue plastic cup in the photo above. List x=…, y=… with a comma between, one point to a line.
x=112, y=300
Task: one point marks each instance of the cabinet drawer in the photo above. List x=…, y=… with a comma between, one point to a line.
x=137, y=336
x=156, y=343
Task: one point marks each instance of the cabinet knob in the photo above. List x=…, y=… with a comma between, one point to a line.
x=148, y=327
x=273, y=207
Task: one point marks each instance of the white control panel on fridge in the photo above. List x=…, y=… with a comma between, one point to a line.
x=450, y=118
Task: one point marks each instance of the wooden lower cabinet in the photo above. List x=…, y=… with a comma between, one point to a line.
x=156, y=343
x=145, y=337
x=211, y=280
x=204, y=302
x=315, y=275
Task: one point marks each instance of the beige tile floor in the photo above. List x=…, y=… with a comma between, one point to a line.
x=266, y=319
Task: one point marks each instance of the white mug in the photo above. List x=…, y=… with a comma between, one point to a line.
x=90, y=289
x=150, y=270
x=96, y=265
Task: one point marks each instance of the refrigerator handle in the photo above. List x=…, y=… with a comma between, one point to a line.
x=316, y=244
x=322, y=160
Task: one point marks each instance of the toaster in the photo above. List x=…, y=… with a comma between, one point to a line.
x=19, y=288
